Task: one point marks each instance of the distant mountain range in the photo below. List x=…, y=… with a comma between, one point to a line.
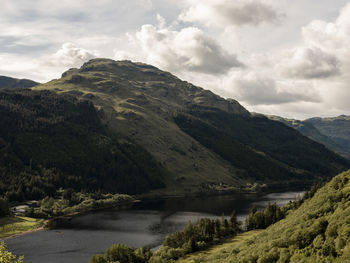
x=332, y=132
x=130, y=127
x=11, y=83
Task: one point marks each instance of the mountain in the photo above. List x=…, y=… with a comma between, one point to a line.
x=202, y=141
x=317, y=231
x=50, y=141
x=331, y=132
x=338, y=129
x=10, y=83
x=308, y=129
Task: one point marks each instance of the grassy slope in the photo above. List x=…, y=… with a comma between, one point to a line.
x=338, y=129
x=10, y=83
x=139, y=101
x=267, y=150
x=308, y=129
x=10, y=226
x=318, y=231
x=219, y=251
x=48, y=141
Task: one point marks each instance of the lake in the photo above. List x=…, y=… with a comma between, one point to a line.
x=145, y=224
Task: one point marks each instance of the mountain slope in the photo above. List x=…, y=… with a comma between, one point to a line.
x=308, y=129
x=318, y=231
x=338, y=129
x=152, y=107
x=10, y=83
x=49, y=140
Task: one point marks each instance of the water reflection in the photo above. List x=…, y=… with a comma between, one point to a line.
x=145, y=224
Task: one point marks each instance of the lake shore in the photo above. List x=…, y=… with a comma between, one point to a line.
x=145, y=224
x=14, y=224
x=160, y=194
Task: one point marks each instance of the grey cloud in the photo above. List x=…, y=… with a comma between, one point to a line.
x=70, y=55
x=227, y=13
x=188, y=49
x=253, y=13
x=258, y=90
x=13, y=44
x=310, y=63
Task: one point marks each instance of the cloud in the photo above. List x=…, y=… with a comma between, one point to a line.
x=255, y=89
x=228, y=13
x=332, y=36
x=71, y=56
x=309, y=63
x=188, y=49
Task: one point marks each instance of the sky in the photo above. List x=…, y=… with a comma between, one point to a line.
x=282, y=57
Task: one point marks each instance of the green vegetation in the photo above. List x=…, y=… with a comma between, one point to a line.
x=49, y=141
x=213, y=253
x=123, y=254
x=8, y=257
x=317, y=231
x=68, y=202
x=263, y=149
x=194, y=237
x=13, y=225
x=337, y=129
x=263, y=219
x=4, y=207
x=230, y=149
x=12, y=83
x=328, y=135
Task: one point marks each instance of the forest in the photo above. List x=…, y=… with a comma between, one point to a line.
x=52, y=141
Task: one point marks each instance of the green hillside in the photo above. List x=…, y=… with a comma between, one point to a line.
x=11, y=83
x=266, y=149
x=318, y=231
x=223, y=147
x=337, y=128
x=308, y=129
x=126, y=127
x=49, y=140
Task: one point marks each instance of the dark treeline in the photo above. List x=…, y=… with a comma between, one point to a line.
x=273, y=213
x=4, y=207
x=123, y=254
x=50, y=141
x=193, y=238
x=203, y=233
x=263, y=219
x=265, y=149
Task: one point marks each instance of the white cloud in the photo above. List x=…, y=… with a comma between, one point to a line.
x=227, y=13
x=284, y=71
x=309, y=63
x=188, y=49
x=255, y=89
x=71, y=56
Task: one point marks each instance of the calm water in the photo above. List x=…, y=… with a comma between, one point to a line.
x=145, y=224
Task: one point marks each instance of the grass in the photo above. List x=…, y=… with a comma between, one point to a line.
x=10, y=226
x=218, y=252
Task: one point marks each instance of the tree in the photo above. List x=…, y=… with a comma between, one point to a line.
x=119, y=252
x=234, y=224
x=98, y=259
x=4, y=207
x=8, y=257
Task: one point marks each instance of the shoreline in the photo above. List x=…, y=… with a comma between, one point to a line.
x=157, y=195
x=47, y=222
x=41, y=228
x=271, y=188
